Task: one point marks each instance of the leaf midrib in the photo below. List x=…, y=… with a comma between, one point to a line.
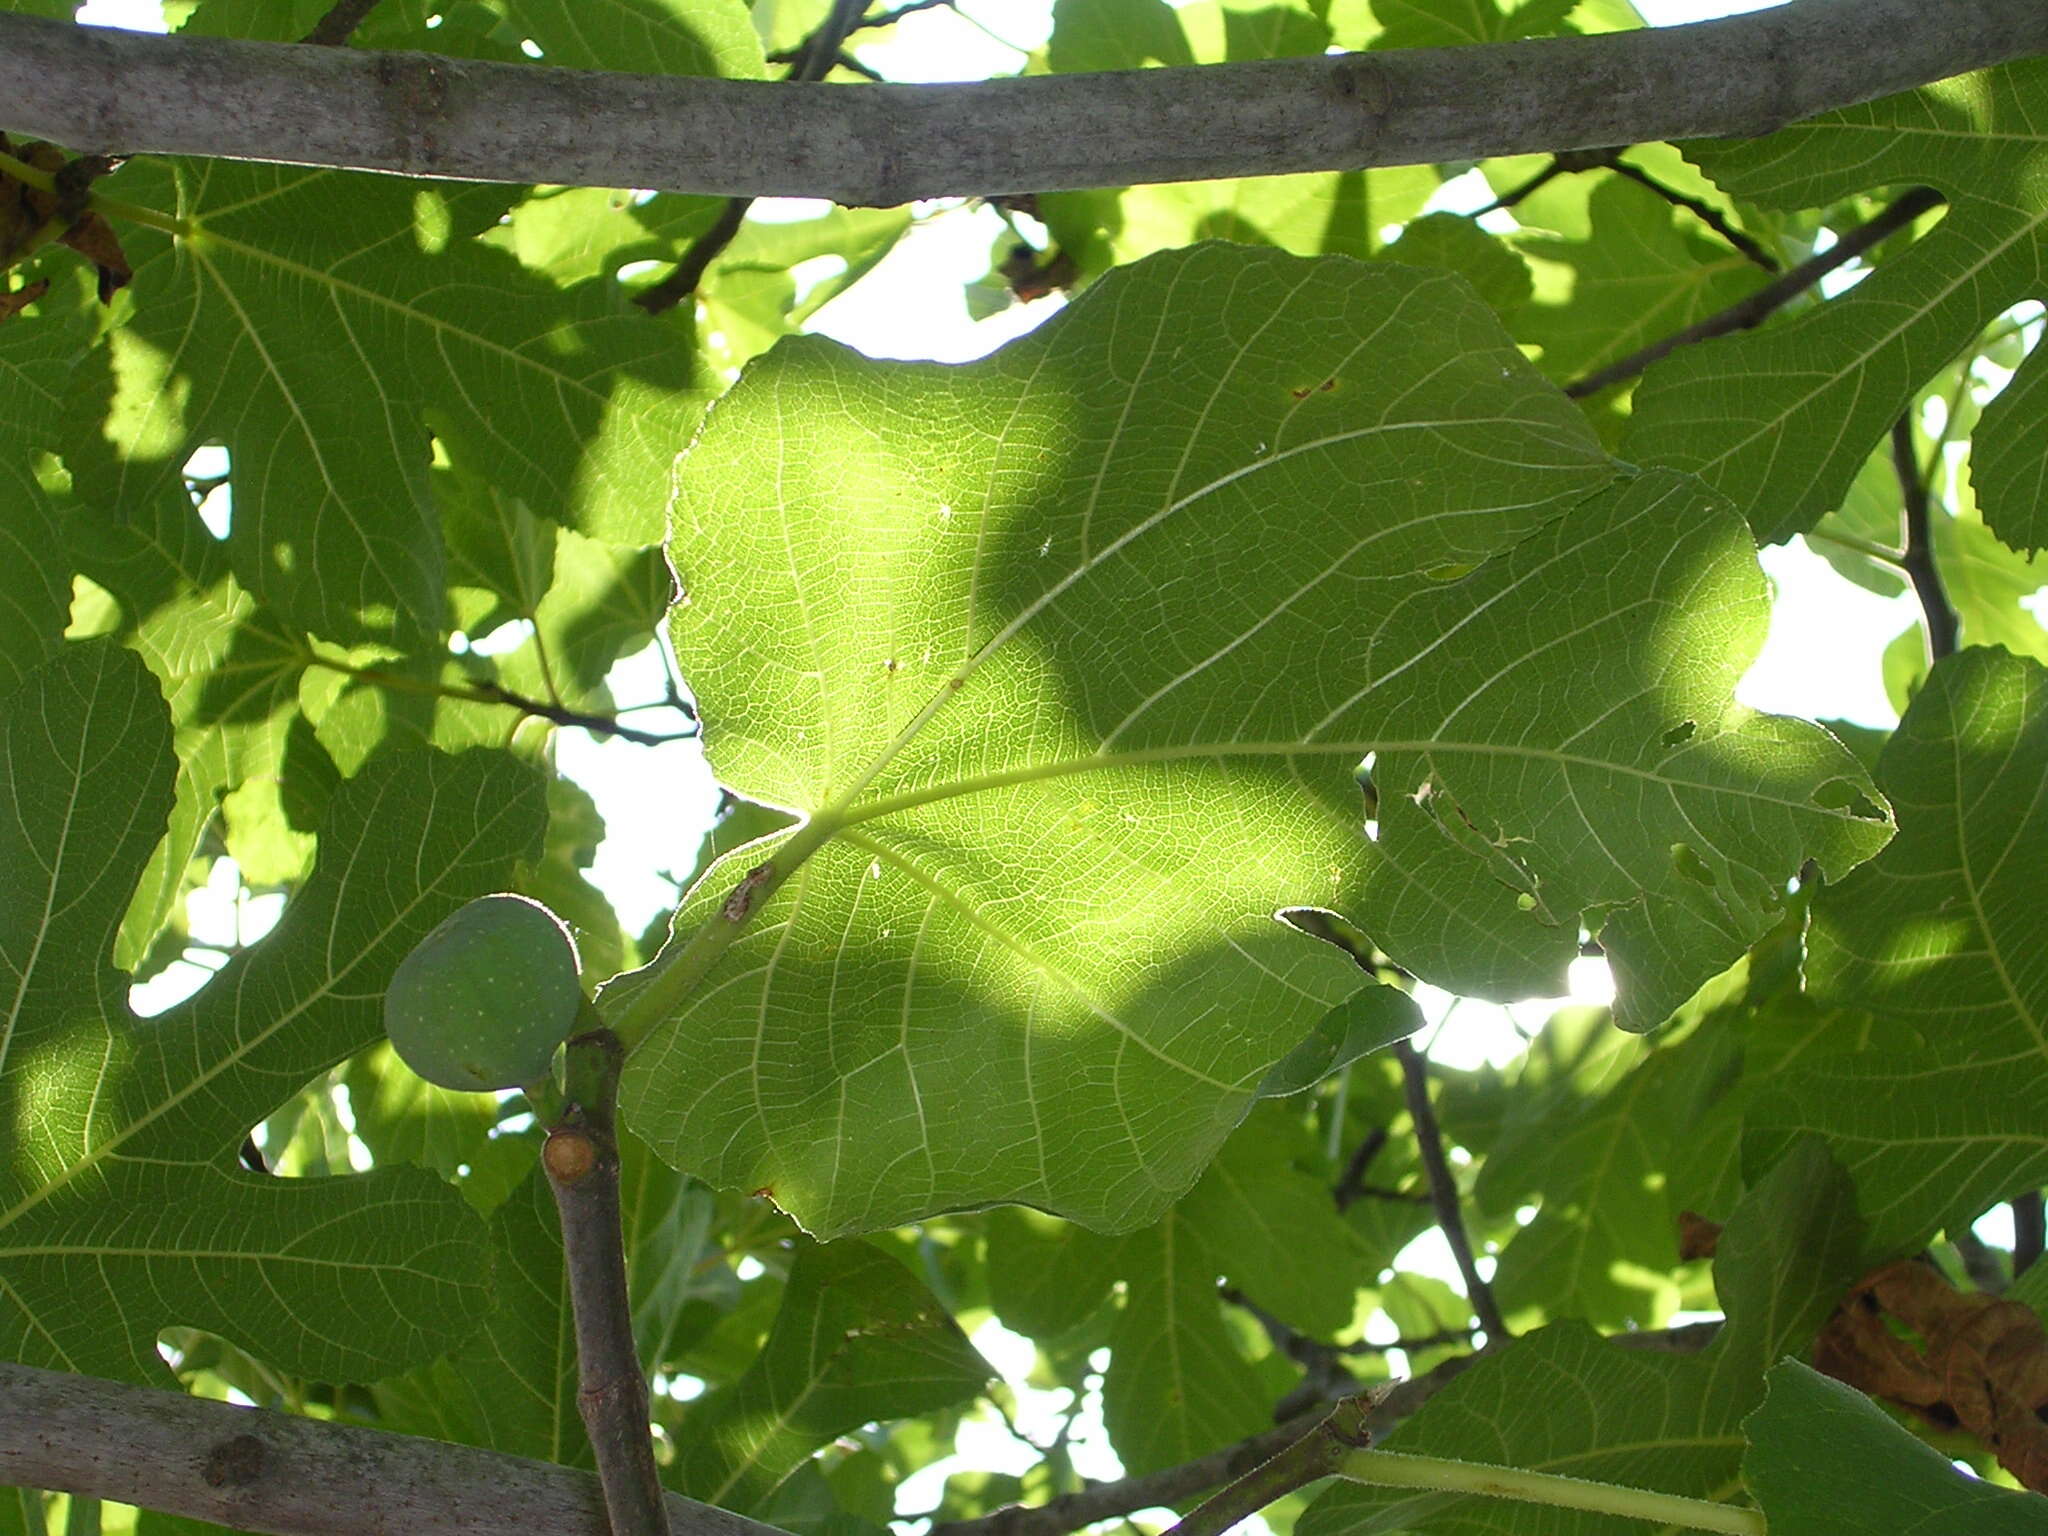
x=1353, y=750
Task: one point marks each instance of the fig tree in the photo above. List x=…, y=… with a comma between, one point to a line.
x=483, y=1000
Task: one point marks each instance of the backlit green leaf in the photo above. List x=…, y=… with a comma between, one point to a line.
x=122, y=1207
x=857, y=1339
x=1780, y=419
x=1943, y=932
x=1565, y=1401
x=292, y=299
x=1070, y=657
x=1177, y=1386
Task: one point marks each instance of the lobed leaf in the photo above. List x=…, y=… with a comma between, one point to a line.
x=856, y=1339
x=1177, y=1386
x=1069, y=659
x=321, y=326
x=1566, y=1401
x=1780, y=419
x=122, y=1207
x=1943, y=932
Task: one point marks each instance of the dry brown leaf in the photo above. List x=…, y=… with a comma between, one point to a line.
x=1964, y=1360
x=30, y=216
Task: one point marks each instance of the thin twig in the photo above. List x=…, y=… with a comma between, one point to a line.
x=340, y=23
x=890, y=17
x=1983, y=1264
x=1443, y=1187
x=1394, y=1196
x=1522, y=189
x=1937, y=613
x=1568, y=163
x=1170, y=1487
x=1351, y=1183
x=1706, y=213
x=846, y=61
x=1162, y=1489
x=1306, y=1459
x=2027, y=1231
x=1766, y=301
x=581, y=1158
x=813, y=62
x=1414, y=1345
x=1325, y=1377
x=560, y=714
x=688, y=272
x=494, y=693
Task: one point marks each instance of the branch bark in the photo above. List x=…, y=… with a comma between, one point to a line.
x=98, y=90
x=252, y=1470
x=1937, y=613
x=581, y=1160
x=1755, y=308
x=1443, y=1188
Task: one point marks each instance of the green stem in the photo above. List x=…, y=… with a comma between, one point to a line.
x=1868, y=548
x=111, y=207
x=27, y=174
x=1317, y=1454
x=136, y=213
x=1393, y=1469
x=664, y=989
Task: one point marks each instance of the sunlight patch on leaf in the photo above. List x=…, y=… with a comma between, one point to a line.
x=1174, y=599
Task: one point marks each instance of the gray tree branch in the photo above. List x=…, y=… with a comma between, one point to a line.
x=97, y=90
x=251, y=1470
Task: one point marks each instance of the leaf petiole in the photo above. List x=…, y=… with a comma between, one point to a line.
x=674, y=979
x=111, y=207
x=1395, y=1469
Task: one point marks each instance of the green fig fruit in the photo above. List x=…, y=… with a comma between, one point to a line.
x=483, y=1000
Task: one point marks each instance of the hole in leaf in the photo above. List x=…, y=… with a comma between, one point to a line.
x=1679, y=732
x=1847, y=795
x=206, y=475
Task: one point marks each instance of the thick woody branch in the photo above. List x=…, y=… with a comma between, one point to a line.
x=251, y=1470
x=98, y=90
